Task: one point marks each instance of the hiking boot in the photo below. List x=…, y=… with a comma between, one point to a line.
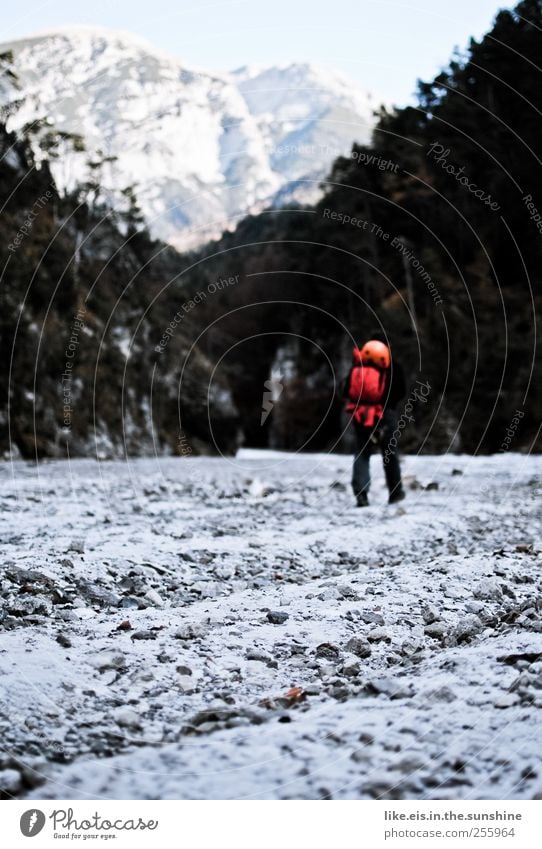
x=396, y=496
x=362, y=500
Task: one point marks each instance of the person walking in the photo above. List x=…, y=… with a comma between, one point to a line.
x=372, y=390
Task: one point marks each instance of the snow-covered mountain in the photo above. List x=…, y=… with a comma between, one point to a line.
x=200, y=149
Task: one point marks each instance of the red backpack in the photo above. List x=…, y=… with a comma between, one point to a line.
x=366, y=390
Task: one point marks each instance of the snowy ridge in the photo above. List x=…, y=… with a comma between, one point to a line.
x=200, y=149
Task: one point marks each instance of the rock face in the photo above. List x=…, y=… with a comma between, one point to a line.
x=200, y=149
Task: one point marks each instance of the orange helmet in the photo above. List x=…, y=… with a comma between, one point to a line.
x=376, y=353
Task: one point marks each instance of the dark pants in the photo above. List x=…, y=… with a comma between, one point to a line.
x=367, y=439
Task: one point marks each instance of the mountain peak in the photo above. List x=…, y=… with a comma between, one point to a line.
x=199, y=149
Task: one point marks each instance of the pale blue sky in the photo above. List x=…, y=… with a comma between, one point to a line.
x=386, y=44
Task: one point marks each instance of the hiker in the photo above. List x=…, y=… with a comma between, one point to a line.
x=373, y=388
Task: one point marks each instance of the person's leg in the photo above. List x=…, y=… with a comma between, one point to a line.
x=390, y=455
x=361, y=476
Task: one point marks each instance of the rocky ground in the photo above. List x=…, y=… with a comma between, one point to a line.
x=213, y=628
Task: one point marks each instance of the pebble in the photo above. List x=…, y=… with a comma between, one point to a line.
x=436, y=630
x=371, y=618
x=441, y=694
x=127, y=718
x=98, y=595
x=328, y=651
x=329, y=594
x=144, y=635
x=474, y=607
x=411, y=646
x=28, y=605
x=348, y=592
x=411, y=761
x=351, y=670
x=430, y=614
x=488, y=589
x=191, y=631
x=394, y=688
x=506, y=700
x=467, y=627
x=257, y=654
x=131, y=602
x=154, y=598
x=358, y=646
x=11, y=781
x=378, y=635
x=277, y=617
x=186, y=684
x=108, y=660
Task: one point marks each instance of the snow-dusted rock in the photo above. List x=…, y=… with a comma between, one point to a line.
x=10, y=781
x=488, y=589
x=467, y=627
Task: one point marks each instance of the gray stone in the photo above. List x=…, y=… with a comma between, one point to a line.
x=11, y=781
x=474, y=607
x=351, y=670
x=97, y=595
x=430, y=614
x=378, y=635
x=488, y=589
x=358, y=646
x=277, y=617
x=328, y=651
x=30, y=605
x=441, y=694
x=144, y=635
x=127, y=718
x=467, y=627
x=411, y=646
x=329, y=594
x=131, y=602
x=186, y=684
x=436, y=630
x=394, y=688
x=154, y=598
x=257, y=654
x=371, y=618
x=191, y=631
x=108, y=660
x=348, y=592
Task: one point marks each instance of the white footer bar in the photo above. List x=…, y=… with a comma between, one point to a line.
x=272, y=825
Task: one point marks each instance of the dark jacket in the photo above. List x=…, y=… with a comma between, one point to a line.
x=395, y=385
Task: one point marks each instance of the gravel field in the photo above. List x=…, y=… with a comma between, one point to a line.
x=234, y=628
